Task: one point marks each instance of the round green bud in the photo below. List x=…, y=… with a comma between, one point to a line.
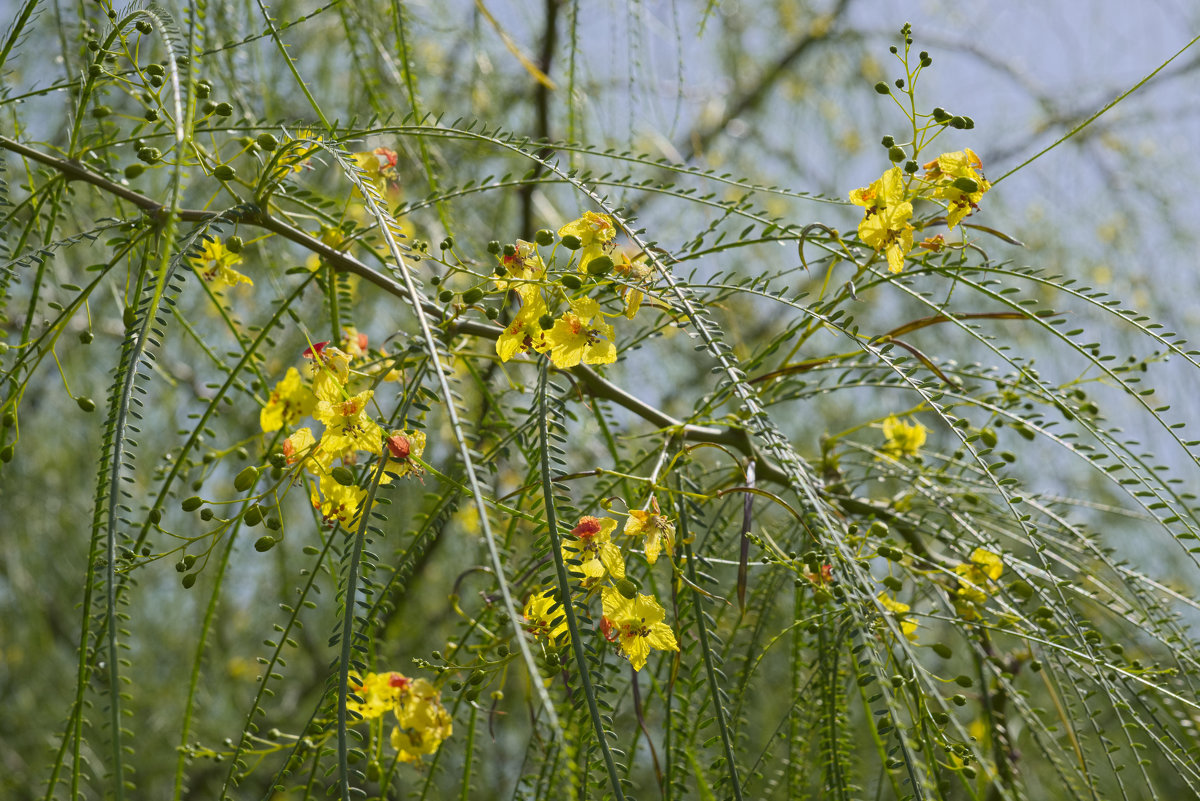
x=473, y=295
x=273, y=523
x=942, y=650
x=963, y=681
x=927, y=62
x=264, y=544
x=151, y=115
x=940, y=115
x=552, y=661
x=445, y=296
x=234, y=244
x=343, y=476
x=203, y=90
x=959, y=700
x=571, y=281
x=208, y=107
x=572, y=242
x=447, y=243
x=911, y=167
x=968, y=185
x=1035, y=666
x=958, y=122
x=968, y=123
x=246, y=479
x=143, y=26
x=544, y=237
x=156, y=81
x=893, y=50
x=93, y=45
x=9, y=419
x=601, y=265
x=86, y=404
x=180, y=567
x=491, y=312
x=887, y=141
x=206, y=514
x=493, y=247
x=509, y=250
x=266, y=141
x=968, y=772
x=627, y=588
x=253, y=516
x=7, y=453
x=941, y=718
x=893, y=583
x=436, y=280
x=501, y=270
x=896, y=153
x=882, y=88
x=156, y=515
x=191, y=504
x=86, y=337
x=224, y=172
x=546, y=322
x=149, y=154
x=223, y=110
x=899, y=83
x=277, y=459
x=95, y=70
x=188, y=581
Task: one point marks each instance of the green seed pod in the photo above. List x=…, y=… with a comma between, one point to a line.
x=267, y=141
x=546, y=322
x=968, y=772
x=86, y=404
x=627, y=588
x=601, y=265
x=888, y=141
x=343, y=476
x=896, y=153
x=882, y=88
x=493, y=247
x=491, y=312
x=544, y=237
x=191, y=504
x=224, y=172
x=473, y=295
x=571, y=281
x=942, y=650
x=223, y=110
x=477, y=677
x=572, y=242
x=253, y=516
x=445, y=296
x=234, y=244
x=188, y=581
x=893, y=583
x=877, y=529
x=965, y=184
x=263, y=544
x=552, y=661
x=246, y=479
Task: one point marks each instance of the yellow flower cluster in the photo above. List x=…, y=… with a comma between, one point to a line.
x=903, y=439
x=214, y=263
x=579, y=335
x=631, y=621
x=349, y=427
x=952, y=180
x=422, y=723
x=977, y=577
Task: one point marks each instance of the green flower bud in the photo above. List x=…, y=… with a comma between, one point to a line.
x=191, y=504
x=263, y=544
x=546, y=322
x=224, y=172
x=246, y=479
x=234, y=244
x=9, y=419
x=273, y=523
x=253, y=516
x=86, y=404
x=493, y=247
x=544, y=237
x=156, y=515
x=6, y=455
x=896, y=153
x=899, y=83
x=941, y=718
x=911, y=167
x=509, y=250
x=940, y=115
x=445, y=296
x=343, y=476
x=143, y=26
x=892, y=583
x=601, y=265
x=149, y=154
x=156, y=81
x=94, y=70
x=968, y=123
x=473, y=295
x=942, y=650
x=959, y=700
x=447, y=243
x=180, y=567
x=627, y=588
x=501, y=270
x=958, y=122
x=206, y=514
x=491, y=312
x=888, y=141
x=223, y=110
x=188, y=581
x=882, y=88
x=267, y=141
x=571, y=281
x=964, y=681
x=572, y=242
x=968, y=185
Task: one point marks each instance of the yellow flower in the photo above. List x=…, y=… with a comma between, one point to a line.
x=348, y=427
x=636, y=271
x=959, y=181
x=302, y=447
x=540, y=621
x=214, y=263
x=404, y=448
x=380, y=166
x=525, y=332
x=593, y=547
x=574, y=338
x=977, y=577
x=422, y=723
x=900, y=610
x=337, y=502
x=903, y=439
x=290, y=400
x=378, y=691
x=885, y=225
x=658, y=530
x=353, y=343
x=594, y=232
x=330, y=370
x=635, y=625
x=522, y=271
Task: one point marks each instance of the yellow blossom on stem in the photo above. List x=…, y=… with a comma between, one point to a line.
x=289, y=401
x=348, y=427
x=658, y=530
x=422, y=723
x=330, y=370
x=591, y=543
x=594, y=231
x=635, y=625
x=302, y=447
x=903, y=439
x=540, y=621
x=337, y=502
x=575, y=338
x=634, y=270
x=522, y=271
x=525, y=332
x=907, y=626
x=379, y=693
x=958, y=180
x=354, y=343
x=214, y=263
x=885, y=225
x=977, y=578
x=404, y=448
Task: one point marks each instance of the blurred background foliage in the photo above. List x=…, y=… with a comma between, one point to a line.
x=769, y=94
